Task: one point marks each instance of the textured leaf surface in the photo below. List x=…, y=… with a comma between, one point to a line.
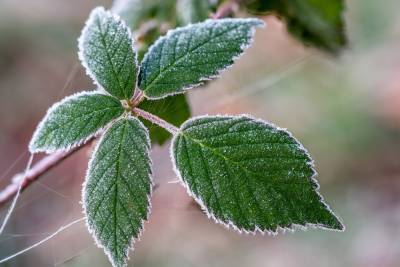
x=249, y=174
x=118, y=186
x=317, y=23
x=73, y=120
x=106, y=51
x=187, y=56
x=174, y=109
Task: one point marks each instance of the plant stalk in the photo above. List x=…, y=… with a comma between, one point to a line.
x=156, y=120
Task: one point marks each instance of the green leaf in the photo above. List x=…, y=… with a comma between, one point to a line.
x=188, y=56
x=191, y=11
x=316, y=23
x=249, y=174
x=106, y=51
x=174, y=109
x=73, y=120
x=118, y=187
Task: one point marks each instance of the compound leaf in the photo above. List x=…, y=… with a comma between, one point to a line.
x=249, y=174
x=73, y=120
x=317, y=23
x=118, y=186
x=106, y=51
x=174, y=109
x=187, y=56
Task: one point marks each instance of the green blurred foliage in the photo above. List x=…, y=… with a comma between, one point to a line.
x=314, y=22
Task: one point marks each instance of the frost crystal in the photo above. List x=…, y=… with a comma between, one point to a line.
x=187, y=56
x=249, y=175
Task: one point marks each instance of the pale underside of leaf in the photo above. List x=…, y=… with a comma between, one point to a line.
x=73, y=120
x=250, y=175
x=118, y=187
x=188, y=56
x=106, y=51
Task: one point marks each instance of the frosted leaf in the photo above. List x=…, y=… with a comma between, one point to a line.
x=187, y=56
x=106, y=51
x=250, y=175
x=73, y=120
x=117, y=188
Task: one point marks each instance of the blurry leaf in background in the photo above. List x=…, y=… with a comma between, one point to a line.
x=174, y=109
x=191, y=11
x=317, y=23
x=137, y=12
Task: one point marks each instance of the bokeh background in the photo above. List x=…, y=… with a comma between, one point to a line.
x=345, y=110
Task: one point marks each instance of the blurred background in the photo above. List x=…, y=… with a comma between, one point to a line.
x=345, y=110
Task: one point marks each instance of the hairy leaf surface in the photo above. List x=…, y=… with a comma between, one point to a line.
x=106, y=51
x=187, y=56
x=249, y=174
x=317, y=23
x=73, y=120
x=174, y=109
x=118, y=186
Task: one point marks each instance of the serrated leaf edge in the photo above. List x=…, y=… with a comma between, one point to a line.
x=81, y=57
x=243, y=47
x=149, y=208
x=258, y=229
x=38, y=129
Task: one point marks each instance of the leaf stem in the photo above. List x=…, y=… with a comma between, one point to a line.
x=156, y=120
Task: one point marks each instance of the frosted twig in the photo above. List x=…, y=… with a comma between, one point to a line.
x=156, y=120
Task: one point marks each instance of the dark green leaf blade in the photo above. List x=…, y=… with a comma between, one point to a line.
x=106, y=51
x=118, y=187
x=250, y=175
x=174, y=109
x=187, y=56
x=73, y=120
x=317, y=23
